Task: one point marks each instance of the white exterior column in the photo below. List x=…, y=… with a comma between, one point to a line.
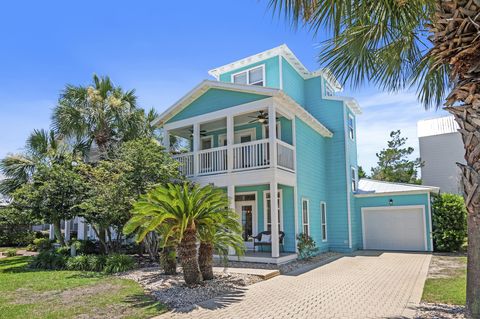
x=51, y=232
x=166, y=139
x=274, y=218
x=272, y=125
x=230, y=141
x=67, y=230
x=196, y=147
x=82, y=229
x=231, y=205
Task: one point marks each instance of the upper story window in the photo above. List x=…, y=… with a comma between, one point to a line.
x=351, y=127
x=354, y=179
x=253, y=76
x=329, y=90
x=305, y=216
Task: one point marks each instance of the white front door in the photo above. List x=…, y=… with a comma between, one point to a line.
x=248, y=218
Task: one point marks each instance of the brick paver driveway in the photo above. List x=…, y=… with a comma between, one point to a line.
x=365, y=285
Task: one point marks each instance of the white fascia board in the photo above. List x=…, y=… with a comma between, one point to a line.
x=416, y=192
x=349, y=101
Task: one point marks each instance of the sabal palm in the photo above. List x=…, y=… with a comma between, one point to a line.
x=100, y=113
x=182, y=211
x=431, y=45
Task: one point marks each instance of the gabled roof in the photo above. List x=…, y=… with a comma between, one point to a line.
x=284, y=51
x=205, y=85
x=370, y=187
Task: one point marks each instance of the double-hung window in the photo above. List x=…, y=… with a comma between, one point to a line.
x=253, y=76
x=323, y=211
x=305, y=216
x=353, y=176
x=351, y=127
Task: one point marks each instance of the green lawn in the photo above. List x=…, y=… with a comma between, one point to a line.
x=451, y=289
x=68, y=294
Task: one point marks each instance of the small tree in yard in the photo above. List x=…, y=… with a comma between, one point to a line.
x=449, y=222
x=394, y=164
x=53, y=195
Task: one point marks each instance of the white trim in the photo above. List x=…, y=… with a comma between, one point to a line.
x=202, y=138
x=278, y=130
x=255, y=209
x=372, y=194
x=265, y=219
x=305, y=199
x=238, y=134
x=281, y=51
x=430, y=221
x=349, y=182
x=353, y=178
x=402, y=207
x=247, y=71
x=323, y=221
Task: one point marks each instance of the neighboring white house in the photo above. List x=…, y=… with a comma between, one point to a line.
x=441, y=147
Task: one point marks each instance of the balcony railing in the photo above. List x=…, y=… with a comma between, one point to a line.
x=246, y=156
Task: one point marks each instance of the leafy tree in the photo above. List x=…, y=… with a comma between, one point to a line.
x=102, y=115
x=15, y=227
x=53, y=195
x=181, y=211
x=361, y=172
x=394, y=164
x=432, y=45
x=449, y=221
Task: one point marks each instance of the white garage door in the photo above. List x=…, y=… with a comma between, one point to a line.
x=394, y=228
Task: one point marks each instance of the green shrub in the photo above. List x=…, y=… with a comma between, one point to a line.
x=118, y=263
x=86, y=263
x=96, y=262
x=63, y=250
x=15, y=227
x=49, y=260
x=307, y=247
x=12, y=252
x=449, y=219
x=42, y=244
x=86, y=247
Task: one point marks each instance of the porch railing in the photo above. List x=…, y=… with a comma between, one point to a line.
x=285, y=153
x=186, y=163
x=212, y=160
x=251, y=155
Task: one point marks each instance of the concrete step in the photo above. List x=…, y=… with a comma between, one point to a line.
x=265, y=274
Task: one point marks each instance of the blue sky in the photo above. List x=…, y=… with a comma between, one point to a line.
x=160, y=48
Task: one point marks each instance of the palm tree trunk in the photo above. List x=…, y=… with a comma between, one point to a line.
x=188, y=257
x=205, y=260
x=151, y=245
x=455, y=28
x=168, y=260
x=57, y=230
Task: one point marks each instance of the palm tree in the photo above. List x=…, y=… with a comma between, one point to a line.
x=180, y=211
x=102, y=114
x=396, y=44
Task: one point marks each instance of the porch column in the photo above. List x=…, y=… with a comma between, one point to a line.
x=196, y=147
x=230, y=141
x=67, y=230
x=82, y=229
x=274, y=218
x=166, y=139
x=231, y=204
x=272, y=125
x=51, y=232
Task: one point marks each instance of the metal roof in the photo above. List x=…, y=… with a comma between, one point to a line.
x=370, y=187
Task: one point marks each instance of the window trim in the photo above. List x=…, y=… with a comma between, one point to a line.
x=232, y=76
x=265, y=218
x=351, y=129
x=353, y=179
x=323, y=221
x=204, y=138
x=278, y=129
x=308, y=216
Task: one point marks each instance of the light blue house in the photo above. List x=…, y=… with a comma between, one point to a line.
x=299, y=174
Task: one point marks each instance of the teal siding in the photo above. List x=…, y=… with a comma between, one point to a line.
x=398, y=200
x=293, y=83
x=311, y=179
x=272, y=72
x=286, y=130
x=214, y=100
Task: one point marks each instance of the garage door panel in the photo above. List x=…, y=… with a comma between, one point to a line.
x=394, y=229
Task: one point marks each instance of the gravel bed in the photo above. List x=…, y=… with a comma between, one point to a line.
x=284, y=268
x=439, y=311
x=172, y=291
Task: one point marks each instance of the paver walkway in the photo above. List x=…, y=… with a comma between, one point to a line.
x=364, y=285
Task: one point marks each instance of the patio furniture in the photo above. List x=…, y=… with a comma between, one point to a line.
x=257, y=240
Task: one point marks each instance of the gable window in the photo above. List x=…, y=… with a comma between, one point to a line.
x=323, y=211
x=329, y=90
x=305, y=216
x=268, y=214
x=353, y=176
x=351, y=127
x=253, y=76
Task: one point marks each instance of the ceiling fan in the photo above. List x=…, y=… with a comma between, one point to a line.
x=202, y=132
x=262, y=118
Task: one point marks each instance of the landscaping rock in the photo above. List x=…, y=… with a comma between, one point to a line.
x=440, y=311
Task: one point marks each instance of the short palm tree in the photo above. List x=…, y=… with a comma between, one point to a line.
x=224, y=236
x=101, y=114
x=432, y=45
x=180, y=212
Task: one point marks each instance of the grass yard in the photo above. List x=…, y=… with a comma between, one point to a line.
x=68, y=294
x=446, y=282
